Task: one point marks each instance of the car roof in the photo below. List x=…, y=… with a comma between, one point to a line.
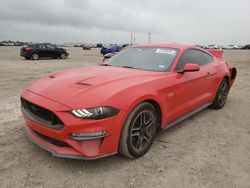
x=177, y=46
x=40, y=43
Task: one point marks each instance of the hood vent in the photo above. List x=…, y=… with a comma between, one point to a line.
x=83, y=84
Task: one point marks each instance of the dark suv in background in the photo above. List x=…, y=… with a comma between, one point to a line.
x=246, y=47
x=43, y=50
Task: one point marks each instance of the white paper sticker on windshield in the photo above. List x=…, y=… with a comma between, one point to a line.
x=161, y=66
x=165, y=51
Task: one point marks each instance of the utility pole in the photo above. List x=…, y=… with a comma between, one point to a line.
x=131, y=39
x=149, y=37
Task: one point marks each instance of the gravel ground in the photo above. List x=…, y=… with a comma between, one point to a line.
x=210, y=149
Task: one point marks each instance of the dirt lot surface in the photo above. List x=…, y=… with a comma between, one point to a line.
x=210, y=149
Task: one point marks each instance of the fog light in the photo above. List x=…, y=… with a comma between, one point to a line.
x=88, y=136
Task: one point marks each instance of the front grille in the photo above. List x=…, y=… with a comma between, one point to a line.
x=51, y=140
x=41, y=115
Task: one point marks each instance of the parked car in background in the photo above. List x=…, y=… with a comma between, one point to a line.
x=86, y=47
x=221, y=47
x=215, y=47
x=99, y=45
x=43, y=50
x=201, y=46
x=246, y=47
x=232, y=47
x=111, y=48
x=212, y=46
x=125, y=45
x=108, y=56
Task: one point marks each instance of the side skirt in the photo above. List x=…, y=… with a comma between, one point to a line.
x=178, y=120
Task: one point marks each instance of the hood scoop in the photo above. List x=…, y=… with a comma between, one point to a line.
x=83, y=84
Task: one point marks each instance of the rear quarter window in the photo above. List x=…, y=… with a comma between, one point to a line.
x=208, y=58
x=41, y=46
x=193, y=56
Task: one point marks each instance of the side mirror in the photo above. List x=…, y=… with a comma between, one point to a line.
x=190, y=67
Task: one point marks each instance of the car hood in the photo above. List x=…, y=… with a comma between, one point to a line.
x=62, y=49
x=89, y=86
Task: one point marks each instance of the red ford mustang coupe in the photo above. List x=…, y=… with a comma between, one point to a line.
x=119, y=107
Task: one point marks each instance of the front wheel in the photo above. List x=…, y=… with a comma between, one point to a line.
x=221, y=95
x=139, y=131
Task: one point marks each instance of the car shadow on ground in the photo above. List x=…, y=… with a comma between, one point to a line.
x=161, y=142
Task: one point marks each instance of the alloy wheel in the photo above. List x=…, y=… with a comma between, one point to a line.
x=143, y=130
x=223, y=94
x=35, y=56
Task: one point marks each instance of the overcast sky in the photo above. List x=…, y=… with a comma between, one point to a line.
x=112, y=21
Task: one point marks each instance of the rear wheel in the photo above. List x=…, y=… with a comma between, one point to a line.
x=139, y=131
x=63, y=55
x=221, y=95
x=35, y=56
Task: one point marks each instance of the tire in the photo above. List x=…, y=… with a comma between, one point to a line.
x=221, y=95
x=139, y=131
x=35, y=56
x=27, y=58
x=63, y=55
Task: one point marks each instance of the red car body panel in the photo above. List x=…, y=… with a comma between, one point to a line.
x=61, y=92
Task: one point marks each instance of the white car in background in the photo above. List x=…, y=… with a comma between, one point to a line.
x=212, y=46
x=232, y=47
x=215, y=47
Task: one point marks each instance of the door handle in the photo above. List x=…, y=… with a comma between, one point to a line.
x=208, y=73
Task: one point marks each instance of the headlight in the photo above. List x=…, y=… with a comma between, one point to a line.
x=95, y=113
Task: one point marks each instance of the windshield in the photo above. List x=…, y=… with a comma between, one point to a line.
x=151, y=59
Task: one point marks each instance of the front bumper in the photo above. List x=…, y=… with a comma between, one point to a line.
x=56, y=151
x=92, y=148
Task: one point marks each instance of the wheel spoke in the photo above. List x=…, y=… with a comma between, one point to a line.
x=143, y=118
x=135, y=133
x=150, y=122
x=136, y=128
x=147, y=137
x=219, y=97
x=139, y=142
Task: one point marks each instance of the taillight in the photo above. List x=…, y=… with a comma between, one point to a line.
x=29, y=49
